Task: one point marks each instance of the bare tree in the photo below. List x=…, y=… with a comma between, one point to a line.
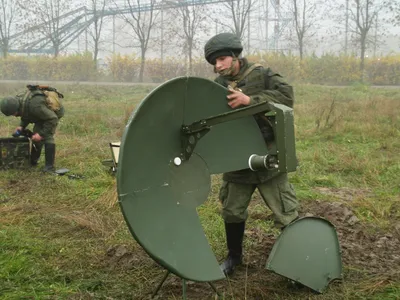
x=8, y=23
x=141, y=19
x=48, y=17
x=393, y=7
x=305, y=21
x=361, y=21
x=364, y=14
x=239, y=11
x=191, y=18
x=98, y=8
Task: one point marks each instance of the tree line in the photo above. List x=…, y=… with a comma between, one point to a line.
x=183, y=25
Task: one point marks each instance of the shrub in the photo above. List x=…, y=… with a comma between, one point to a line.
x=328, y=69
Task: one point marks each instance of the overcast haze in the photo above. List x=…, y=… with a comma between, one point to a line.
x=326, y=31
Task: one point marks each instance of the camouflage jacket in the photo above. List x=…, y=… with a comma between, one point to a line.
x=34, y=109
x=262, y=84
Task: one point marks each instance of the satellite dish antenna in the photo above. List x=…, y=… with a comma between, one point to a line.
x=179, y=135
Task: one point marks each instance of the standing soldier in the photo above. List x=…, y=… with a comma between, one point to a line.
x=249, y=84
x=42, y=108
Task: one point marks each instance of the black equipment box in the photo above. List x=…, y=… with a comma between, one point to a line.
x=15, y=153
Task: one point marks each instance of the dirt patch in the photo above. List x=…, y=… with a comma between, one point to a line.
x=364, y=247
x=123, y=257
x=370, y=257
x=345, y=194
x=20, y=186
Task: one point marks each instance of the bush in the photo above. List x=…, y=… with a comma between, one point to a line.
x=329, y=69
x=77, y=67
x=123, y=68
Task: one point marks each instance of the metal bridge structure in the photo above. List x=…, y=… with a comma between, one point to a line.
x=281, y=20
x=272, y=21
x=77, y=22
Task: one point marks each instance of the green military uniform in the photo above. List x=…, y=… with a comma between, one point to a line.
x=33, y=107
x=260, y=85
x=238, y=186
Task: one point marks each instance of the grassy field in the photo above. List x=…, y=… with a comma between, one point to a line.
x=63, y=238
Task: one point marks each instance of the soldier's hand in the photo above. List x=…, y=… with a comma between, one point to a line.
x=237, y=98
x=36, y=137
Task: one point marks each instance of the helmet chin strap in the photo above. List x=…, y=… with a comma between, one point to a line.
x=231, y=70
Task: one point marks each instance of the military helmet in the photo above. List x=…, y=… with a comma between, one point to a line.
x=223, y=44
x=9, y=105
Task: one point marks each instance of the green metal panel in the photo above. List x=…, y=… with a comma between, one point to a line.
x=159, y=198
x=15, y=153
x=308, y=252
x=227, y=146
x=285, y=138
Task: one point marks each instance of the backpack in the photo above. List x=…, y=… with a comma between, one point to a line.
x=51, y=94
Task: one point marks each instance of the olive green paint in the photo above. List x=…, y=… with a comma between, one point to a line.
x=308, y=252
x=158, y=197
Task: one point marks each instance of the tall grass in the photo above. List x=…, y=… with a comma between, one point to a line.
x=57, y=234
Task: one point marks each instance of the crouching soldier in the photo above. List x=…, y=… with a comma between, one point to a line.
x=42, y=107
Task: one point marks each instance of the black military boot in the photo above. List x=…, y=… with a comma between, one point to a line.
x=35, y=153
x=234, y=240
x=50, y=155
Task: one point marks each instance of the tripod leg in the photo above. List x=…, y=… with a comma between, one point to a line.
x=215, y=290
x=184, y=286
x=160, y=284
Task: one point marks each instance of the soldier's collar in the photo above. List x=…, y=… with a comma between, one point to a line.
x=243, y=66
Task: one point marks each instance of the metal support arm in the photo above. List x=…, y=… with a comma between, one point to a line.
x=191, y=134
